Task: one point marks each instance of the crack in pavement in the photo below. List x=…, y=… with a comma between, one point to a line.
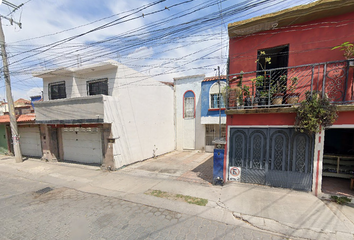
x=295, y=231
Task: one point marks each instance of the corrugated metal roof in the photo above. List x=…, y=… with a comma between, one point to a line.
x=20, y=118
x=208, y=79
x=291, y=16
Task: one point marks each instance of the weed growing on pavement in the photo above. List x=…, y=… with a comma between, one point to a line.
x=193, y=200
x=178, y=197
x=340, y=200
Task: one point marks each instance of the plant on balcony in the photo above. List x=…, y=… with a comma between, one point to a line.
x=348, y=49
x=246, y=93
x=292, y=96
x=277, y=90
x=231, y=95
x=313, y=94
x=263, y=97
x=314, y=113
x=267, y=60
x=254, y=99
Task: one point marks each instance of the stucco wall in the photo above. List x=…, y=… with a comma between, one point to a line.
x=141, y=113
x=182, y=85
x=76, y=83
x=308, y=43
x=139, y=108
x=81, y=81
x=70, y=109
x=67, y=78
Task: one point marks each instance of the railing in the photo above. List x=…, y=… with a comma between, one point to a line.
x=289, y=86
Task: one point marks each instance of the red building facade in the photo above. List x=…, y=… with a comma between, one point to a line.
x=262, y=141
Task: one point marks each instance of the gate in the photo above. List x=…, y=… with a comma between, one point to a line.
x=278, y=157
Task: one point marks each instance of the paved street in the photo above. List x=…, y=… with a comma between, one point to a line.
x=34, y=210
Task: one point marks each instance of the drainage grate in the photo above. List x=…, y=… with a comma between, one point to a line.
x=43, y=190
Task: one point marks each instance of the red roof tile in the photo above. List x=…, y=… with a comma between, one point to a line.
x=208, y=79
x=169, y=83
x=20, y=118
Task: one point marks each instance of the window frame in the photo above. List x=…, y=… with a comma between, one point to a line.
x=211, y=92
x=96, y=81
x=184, y=102
x=50, y=85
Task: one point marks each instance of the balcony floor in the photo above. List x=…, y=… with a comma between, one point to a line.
x=285, y=109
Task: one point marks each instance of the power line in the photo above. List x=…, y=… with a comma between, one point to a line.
x=177, y=31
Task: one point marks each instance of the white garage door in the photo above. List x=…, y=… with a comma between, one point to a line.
x=83, y=145
x=30, y=141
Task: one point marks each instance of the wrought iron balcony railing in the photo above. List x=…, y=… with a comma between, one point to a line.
x=288, y=86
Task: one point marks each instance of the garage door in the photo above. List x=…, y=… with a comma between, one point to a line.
x=82, y=145
x=30, y=141
x=273, y=156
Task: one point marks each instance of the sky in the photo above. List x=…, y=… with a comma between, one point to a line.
x=163, y=38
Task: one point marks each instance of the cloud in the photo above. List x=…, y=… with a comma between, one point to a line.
x=34, y=92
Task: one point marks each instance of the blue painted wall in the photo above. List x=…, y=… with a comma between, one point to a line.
x=205, y=100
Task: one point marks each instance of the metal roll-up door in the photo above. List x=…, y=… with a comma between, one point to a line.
x=83, y=145
x=30, y=141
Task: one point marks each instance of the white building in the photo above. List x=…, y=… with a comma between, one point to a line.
x=104, y=114
x=190, y=133
x=199, y=108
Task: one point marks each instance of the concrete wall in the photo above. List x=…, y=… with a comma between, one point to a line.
x=76, y=78
x=70, y=109
x=181, y=86
x=141, y=112
x=139, y=108
x=82, y=78
x=209, y=116
x=67, y=78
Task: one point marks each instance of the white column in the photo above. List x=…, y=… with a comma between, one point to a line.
x=317, y=163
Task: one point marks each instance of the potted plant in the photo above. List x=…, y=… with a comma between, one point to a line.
x=246, y=93
x=231, y=95
x=348, y=49
x=263, y=98
x=314, y=113
x=292, y=96
x=256, y=100
x=277, y=90
x=313, y=94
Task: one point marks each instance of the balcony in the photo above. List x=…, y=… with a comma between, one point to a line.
x=278, y=90
x=71, y=110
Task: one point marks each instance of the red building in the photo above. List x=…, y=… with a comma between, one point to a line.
x=288, y=54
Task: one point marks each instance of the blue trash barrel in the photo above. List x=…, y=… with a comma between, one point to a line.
x=218, y=166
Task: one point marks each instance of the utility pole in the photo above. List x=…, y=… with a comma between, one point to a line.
x=13, y=121
x=219, y=96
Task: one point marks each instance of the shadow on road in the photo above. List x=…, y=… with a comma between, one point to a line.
x=205, y=170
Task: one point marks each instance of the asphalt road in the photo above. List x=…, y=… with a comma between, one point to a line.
x=35, y=210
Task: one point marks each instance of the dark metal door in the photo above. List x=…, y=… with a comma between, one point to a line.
x=275, y=157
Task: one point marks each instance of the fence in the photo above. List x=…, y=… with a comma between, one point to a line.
x=288, y=86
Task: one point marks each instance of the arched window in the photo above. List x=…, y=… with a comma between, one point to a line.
x=214, y=98
x=189, y=104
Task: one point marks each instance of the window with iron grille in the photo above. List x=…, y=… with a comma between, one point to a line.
x=98, y=86
x=56, y=90
x=212, y=133
x=216, y=101
x=189, y=105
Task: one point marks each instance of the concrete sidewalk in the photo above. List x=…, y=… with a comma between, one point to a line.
x=287, y=212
